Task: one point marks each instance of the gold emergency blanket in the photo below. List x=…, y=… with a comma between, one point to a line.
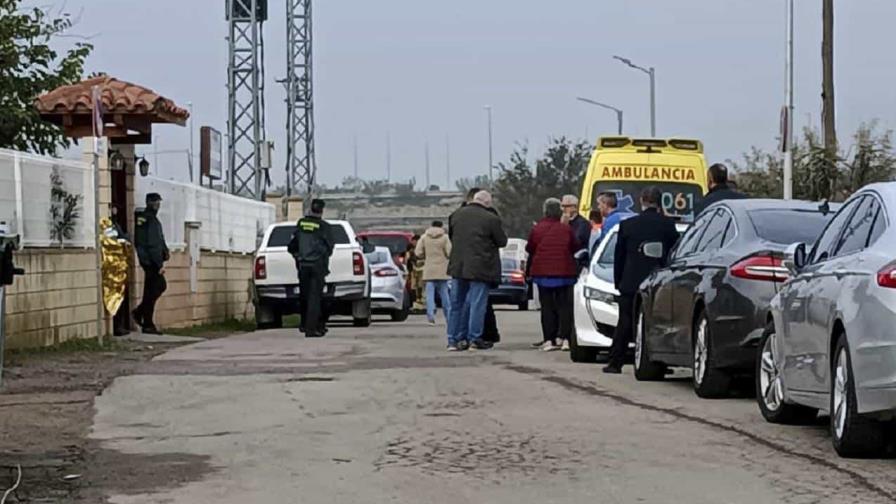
x=115, y=266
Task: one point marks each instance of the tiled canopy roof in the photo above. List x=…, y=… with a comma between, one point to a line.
x=127, y=108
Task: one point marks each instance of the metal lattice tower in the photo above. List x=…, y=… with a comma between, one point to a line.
x=301, y=169
x=245, y=96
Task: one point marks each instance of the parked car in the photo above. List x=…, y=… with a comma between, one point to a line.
x=276, y=285
x=595, y=309
x=388, y=293
x=513, y=290
x=396, y=241
x=830, y=344
x=707, y=309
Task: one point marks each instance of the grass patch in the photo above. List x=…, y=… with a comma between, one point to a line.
x=70, y=346
x=213, y=329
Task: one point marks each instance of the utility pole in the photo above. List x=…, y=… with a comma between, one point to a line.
x=388, y=158
x=447, y=163
x=426, y=155
x=491, y=163
x=827, y=94
x=190, y=161
x=787, y=140
x=355, y=152
x=301, y=165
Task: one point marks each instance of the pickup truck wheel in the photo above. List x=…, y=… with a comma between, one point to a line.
x=268, y=317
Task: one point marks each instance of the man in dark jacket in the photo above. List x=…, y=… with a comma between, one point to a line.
x=719, y=188
x=581, y=227
x=152, y=252
x=311, y=246
x=632, y=266
x=474, y=266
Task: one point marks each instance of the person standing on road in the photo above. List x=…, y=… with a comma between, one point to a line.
x=580, y=226
x=152, y=253
x=490, y=332
x=719, y=188
x=474, y=266
x=551, y=247
x=311, y=246
x=434, y=247
x=632, y=266
x=607, y=204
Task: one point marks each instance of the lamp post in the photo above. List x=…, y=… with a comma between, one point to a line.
x=491, y=164
x=651, y=72
x=609, y=107
x=787, y=140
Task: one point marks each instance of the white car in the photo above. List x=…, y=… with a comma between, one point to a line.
x=276, y=282
x=388, y=294
x=595, y=310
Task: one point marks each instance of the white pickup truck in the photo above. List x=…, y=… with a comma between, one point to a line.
x=276, y=284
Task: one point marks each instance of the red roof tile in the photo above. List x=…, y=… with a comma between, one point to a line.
x=117, y=96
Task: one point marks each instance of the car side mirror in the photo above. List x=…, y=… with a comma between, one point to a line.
x=795, y=258
x=653, y=250
x=367, y=247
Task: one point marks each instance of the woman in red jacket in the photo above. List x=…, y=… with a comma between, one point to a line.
x=552, y=245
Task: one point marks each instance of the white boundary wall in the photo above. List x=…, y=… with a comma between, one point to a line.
x=227, y=223
x=25, y=200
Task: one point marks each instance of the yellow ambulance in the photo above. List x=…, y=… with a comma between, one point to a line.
x=626, y=166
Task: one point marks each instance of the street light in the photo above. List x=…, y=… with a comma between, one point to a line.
x=491, y=164
x=610, y=107
x=652, y=73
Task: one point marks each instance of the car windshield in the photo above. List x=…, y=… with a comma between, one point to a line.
x=678, y=198
x=603, y=267
x=787, y=226
x=508, y=264
x=281, y=235
x=379, y=257
x=396, y=244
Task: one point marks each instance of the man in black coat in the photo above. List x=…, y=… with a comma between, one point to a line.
x=152, y=252
x=311, y=246
x=632, y=266
x=719, y=188
x=580, y=225
x=474, y=267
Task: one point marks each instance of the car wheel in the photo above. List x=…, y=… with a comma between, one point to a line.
x=268, y=317
x=400, y=315
x=645, y=369
x=361, y=322
x=770, y=385
x=853, y=435
x=581, y=353
x=709, y=381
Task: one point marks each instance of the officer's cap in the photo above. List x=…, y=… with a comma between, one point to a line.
x=150, y=197
x=317, y=205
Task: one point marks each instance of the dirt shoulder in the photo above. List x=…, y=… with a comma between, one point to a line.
x=46, y=410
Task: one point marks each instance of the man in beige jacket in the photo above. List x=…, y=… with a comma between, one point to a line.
x=434, y=247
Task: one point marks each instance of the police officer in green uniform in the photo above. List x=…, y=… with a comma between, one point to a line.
x=152, y=252
x=312, y=246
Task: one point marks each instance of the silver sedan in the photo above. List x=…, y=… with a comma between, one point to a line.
x=830, y=345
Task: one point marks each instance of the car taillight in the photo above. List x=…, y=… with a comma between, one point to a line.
x=887, y=276
x=358, y=263
x=261, y=268
x=385, y=272
x=761, y=267
x=517, y=277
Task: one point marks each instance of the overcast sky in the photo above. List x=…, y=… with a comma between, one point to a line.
x=422, y=70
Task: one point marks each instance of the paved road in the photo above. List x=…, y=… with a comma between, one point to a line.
x=385, y=415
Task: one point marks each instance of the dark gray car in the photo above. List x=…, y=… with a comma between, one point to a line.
x=708, y=308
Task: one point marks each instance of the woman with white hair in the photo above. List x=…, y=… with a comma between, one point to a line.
x=552, y=244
